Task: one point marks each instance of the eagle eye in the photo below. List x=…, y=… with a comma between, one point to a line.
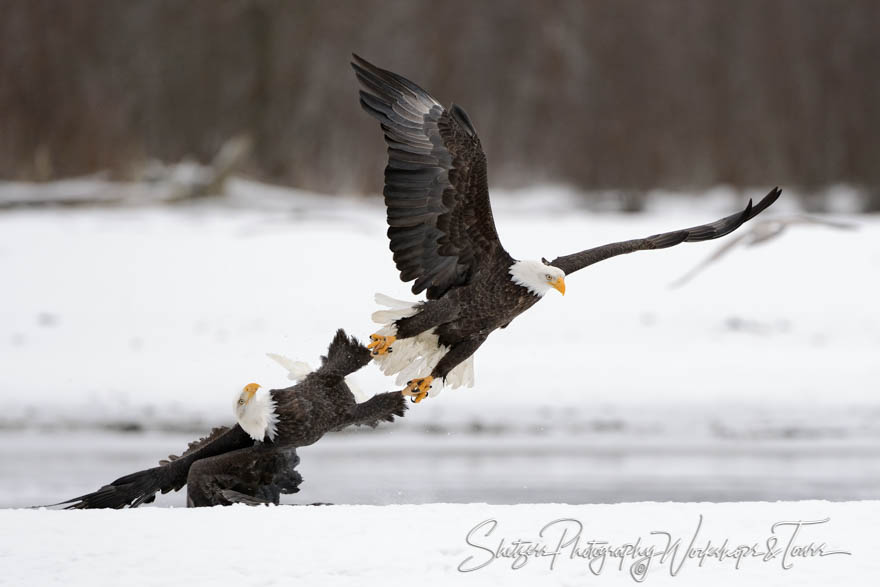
x=549, y=278
x=241, y=402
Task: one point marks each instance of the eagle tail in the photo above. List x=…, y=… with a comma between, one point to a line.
x=382, y=407
x=345, y=356
x=393, y=303
x=397, y=309
x=296, y=370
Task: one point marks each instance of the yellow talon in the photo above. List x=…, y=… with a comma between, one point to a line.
x=381, y=344
x=418, y=388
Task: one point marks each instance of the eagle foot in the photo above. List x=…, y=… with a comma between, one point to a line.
x=418, y=389
x=380, y=344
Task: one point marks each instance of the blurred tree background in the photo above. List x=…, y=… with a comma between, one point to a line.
x=601, y=94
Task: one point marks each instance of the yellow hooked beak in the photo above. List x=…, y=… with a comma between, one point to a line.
x=559, y=285
x=250, y=389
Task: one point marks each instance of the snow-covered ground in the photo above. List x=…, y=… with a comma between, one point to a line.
x=444, y=544
x=150, y=318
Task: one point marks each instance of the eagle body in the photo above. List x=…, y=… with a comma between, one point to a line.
x=439, y=337
x=462, y=320
x=470, y=311
x=322, y=400
x=231, y=466
x=306, y=414
x=443, y=238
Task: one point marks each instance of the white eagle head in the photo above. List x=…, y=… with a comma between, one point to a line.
x=538, y=276
x=256, y=413
x=244, y=401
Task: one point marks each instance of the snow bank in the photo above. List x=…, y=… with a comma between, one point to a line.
x=433, y=544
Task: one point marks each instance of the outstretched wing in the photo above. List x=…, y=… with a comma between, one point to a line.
x=141, y=487
x=439, y=217
x=719, y=228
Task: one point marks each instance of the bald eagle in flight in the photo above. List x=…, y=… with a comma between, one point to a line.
x=253, y=461
x=443, y=238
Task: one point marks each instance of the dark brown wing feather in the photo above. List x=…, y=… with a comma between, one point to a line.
x=195, y=445
x=719, y=228
x=440, y=221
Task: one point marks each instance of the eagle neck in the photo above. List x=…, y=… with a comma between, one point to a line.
x=527, y=274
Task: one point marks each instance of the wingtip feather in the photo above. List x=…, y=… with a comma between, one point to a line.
x=358, y=62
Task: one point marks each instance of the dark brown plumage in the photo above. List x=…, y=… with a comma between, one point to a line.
x=705, y=232
x=440, y=221
x=228, y=466
x=323, y=401
x=443, y=237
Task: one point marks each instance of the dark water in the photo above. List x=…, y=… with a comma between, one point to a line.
x=41, y=467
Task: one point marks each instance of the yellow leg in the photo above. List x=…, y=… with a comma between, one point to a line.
x=381, y=344
x=418, y=388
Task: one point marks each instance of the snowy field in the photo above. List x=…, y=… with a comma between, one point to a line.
x=445, y=544
x=124, y=332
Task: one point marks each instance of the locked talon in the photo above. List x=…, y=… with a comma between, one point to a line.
x=418, y=389
x=381, y=344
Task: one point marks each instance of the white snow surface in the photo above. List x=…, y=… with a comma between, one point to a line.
x=429, y=545
x=158, y=314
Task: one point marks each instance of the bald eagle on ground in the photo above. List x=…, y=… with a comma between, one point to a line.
x=443, y=237
x=254, y=461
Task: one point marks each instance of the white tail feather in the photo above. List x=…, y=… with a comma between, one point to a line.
x=393, y=303
x=360, y=396
x=389, y=316
x=398, y=309
x=296, y=370
x=417, y=356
